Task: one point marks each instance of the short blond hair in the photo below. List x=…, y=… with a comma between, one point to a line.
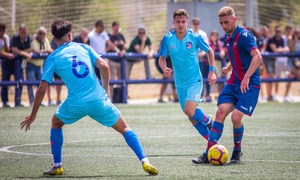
x=226, y=11
x=180, y=12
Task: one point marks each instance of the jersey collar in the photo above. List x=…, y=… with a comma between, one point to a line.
x=235, y=32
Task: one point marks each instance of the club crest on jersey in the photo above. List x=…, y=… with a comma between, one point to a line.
x=189, y=45
x=245, y=34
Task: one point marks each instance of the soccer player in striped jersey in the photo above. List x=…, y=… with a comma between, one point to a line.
x=240, y=95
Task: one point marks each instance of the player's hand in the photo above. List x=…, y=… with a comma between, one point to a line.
x=10, y=56
x=212, y=78
x=244, y=85
x=225, y=71
x=27, y=121
x=168, y=72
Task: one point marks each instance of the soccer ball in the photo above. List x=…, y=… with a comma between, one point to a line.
x=217, y=155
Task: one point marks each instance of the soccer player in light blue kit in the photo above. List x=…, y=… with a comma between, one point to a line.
x=183, y=46
x=74, y=63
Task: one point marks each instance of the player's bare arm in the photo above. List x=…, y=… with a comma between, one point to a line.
x=256, y=60
x=163, y=65
x=212, y=78
x=226, y=70
x=39, y=96
x=104, y=73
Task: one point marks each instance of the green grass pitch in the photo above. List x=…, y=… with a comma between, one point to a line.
x=271, y=145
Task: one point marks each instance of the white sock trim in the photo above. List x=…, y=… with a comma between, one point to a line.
x=145, y=160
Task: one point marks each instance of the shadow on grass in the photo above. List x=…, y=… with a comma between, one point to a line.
x=85, y=177
x=173, y=155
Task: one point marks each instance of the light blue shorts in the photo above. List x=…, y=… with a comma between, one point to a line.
x=102, y=111
x=190, y=93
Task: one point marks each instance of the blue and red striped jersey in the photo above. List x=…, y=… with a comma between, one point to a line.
x=239, y=46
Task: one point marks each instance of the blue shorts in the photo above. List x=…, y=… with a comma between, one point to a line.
x=190, y=93
x=102, y=111
x=245, y=103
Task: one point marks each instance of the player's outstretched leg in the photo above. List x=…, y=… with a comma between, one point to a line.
x=56, y=140
x=203, y=122
x=214, y=136
x=134, y=143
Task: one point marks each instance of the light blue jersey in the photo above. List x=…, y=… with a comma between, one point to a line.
x=74, y=63
x=184, y=56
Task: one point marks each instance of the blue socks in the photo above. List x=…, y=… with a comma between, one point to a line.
x=56, y=140
x=199, y=116
x=237, y=137
x=134, y=143
x=202, y=129
x=202, y=121
x=215, y=134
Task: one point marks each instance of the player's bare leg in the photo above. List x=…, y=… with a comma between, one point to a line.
x=56, y=138
x=134, y=143
x=238, y=131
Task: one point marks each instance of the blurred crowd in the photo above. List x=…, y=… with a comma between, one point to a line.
x=275, y=40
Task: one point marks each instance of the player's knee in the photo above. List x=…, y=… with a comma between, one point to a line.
x=57, y=123
x=236, y=119
x=190, y=113
x=221, y=114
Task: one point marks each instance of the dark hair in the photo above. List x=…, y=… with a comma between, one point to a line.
x=180, y=12
x=115, y=23
x=60, y=28
x=2, y=26
x=99, y=23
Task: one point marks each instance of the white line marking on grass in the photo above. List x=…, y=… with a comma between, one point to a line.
x=7, y=150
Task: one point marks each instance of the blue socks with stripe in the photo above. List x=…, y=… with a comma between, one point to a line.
x=215, y=134
x=56, y=141
x=134, y=143
x=202, y=121
x=237, y=137
x=199, y=116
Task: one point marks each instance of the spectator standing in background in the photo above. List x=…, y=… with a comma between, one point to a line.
x=137, y=45
x=261, y=41
x=282, y=67
x=40, y=46
x=274, y=44
x=201, y=54
x=20, y=45
x=5, y=58
x=163, y=87
x=99, y=40
x=114, y=64
x=4, y=43
x=294, y=62
x=57, y=87
x=82, y=37
x=196, y=29
x=216, y=45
